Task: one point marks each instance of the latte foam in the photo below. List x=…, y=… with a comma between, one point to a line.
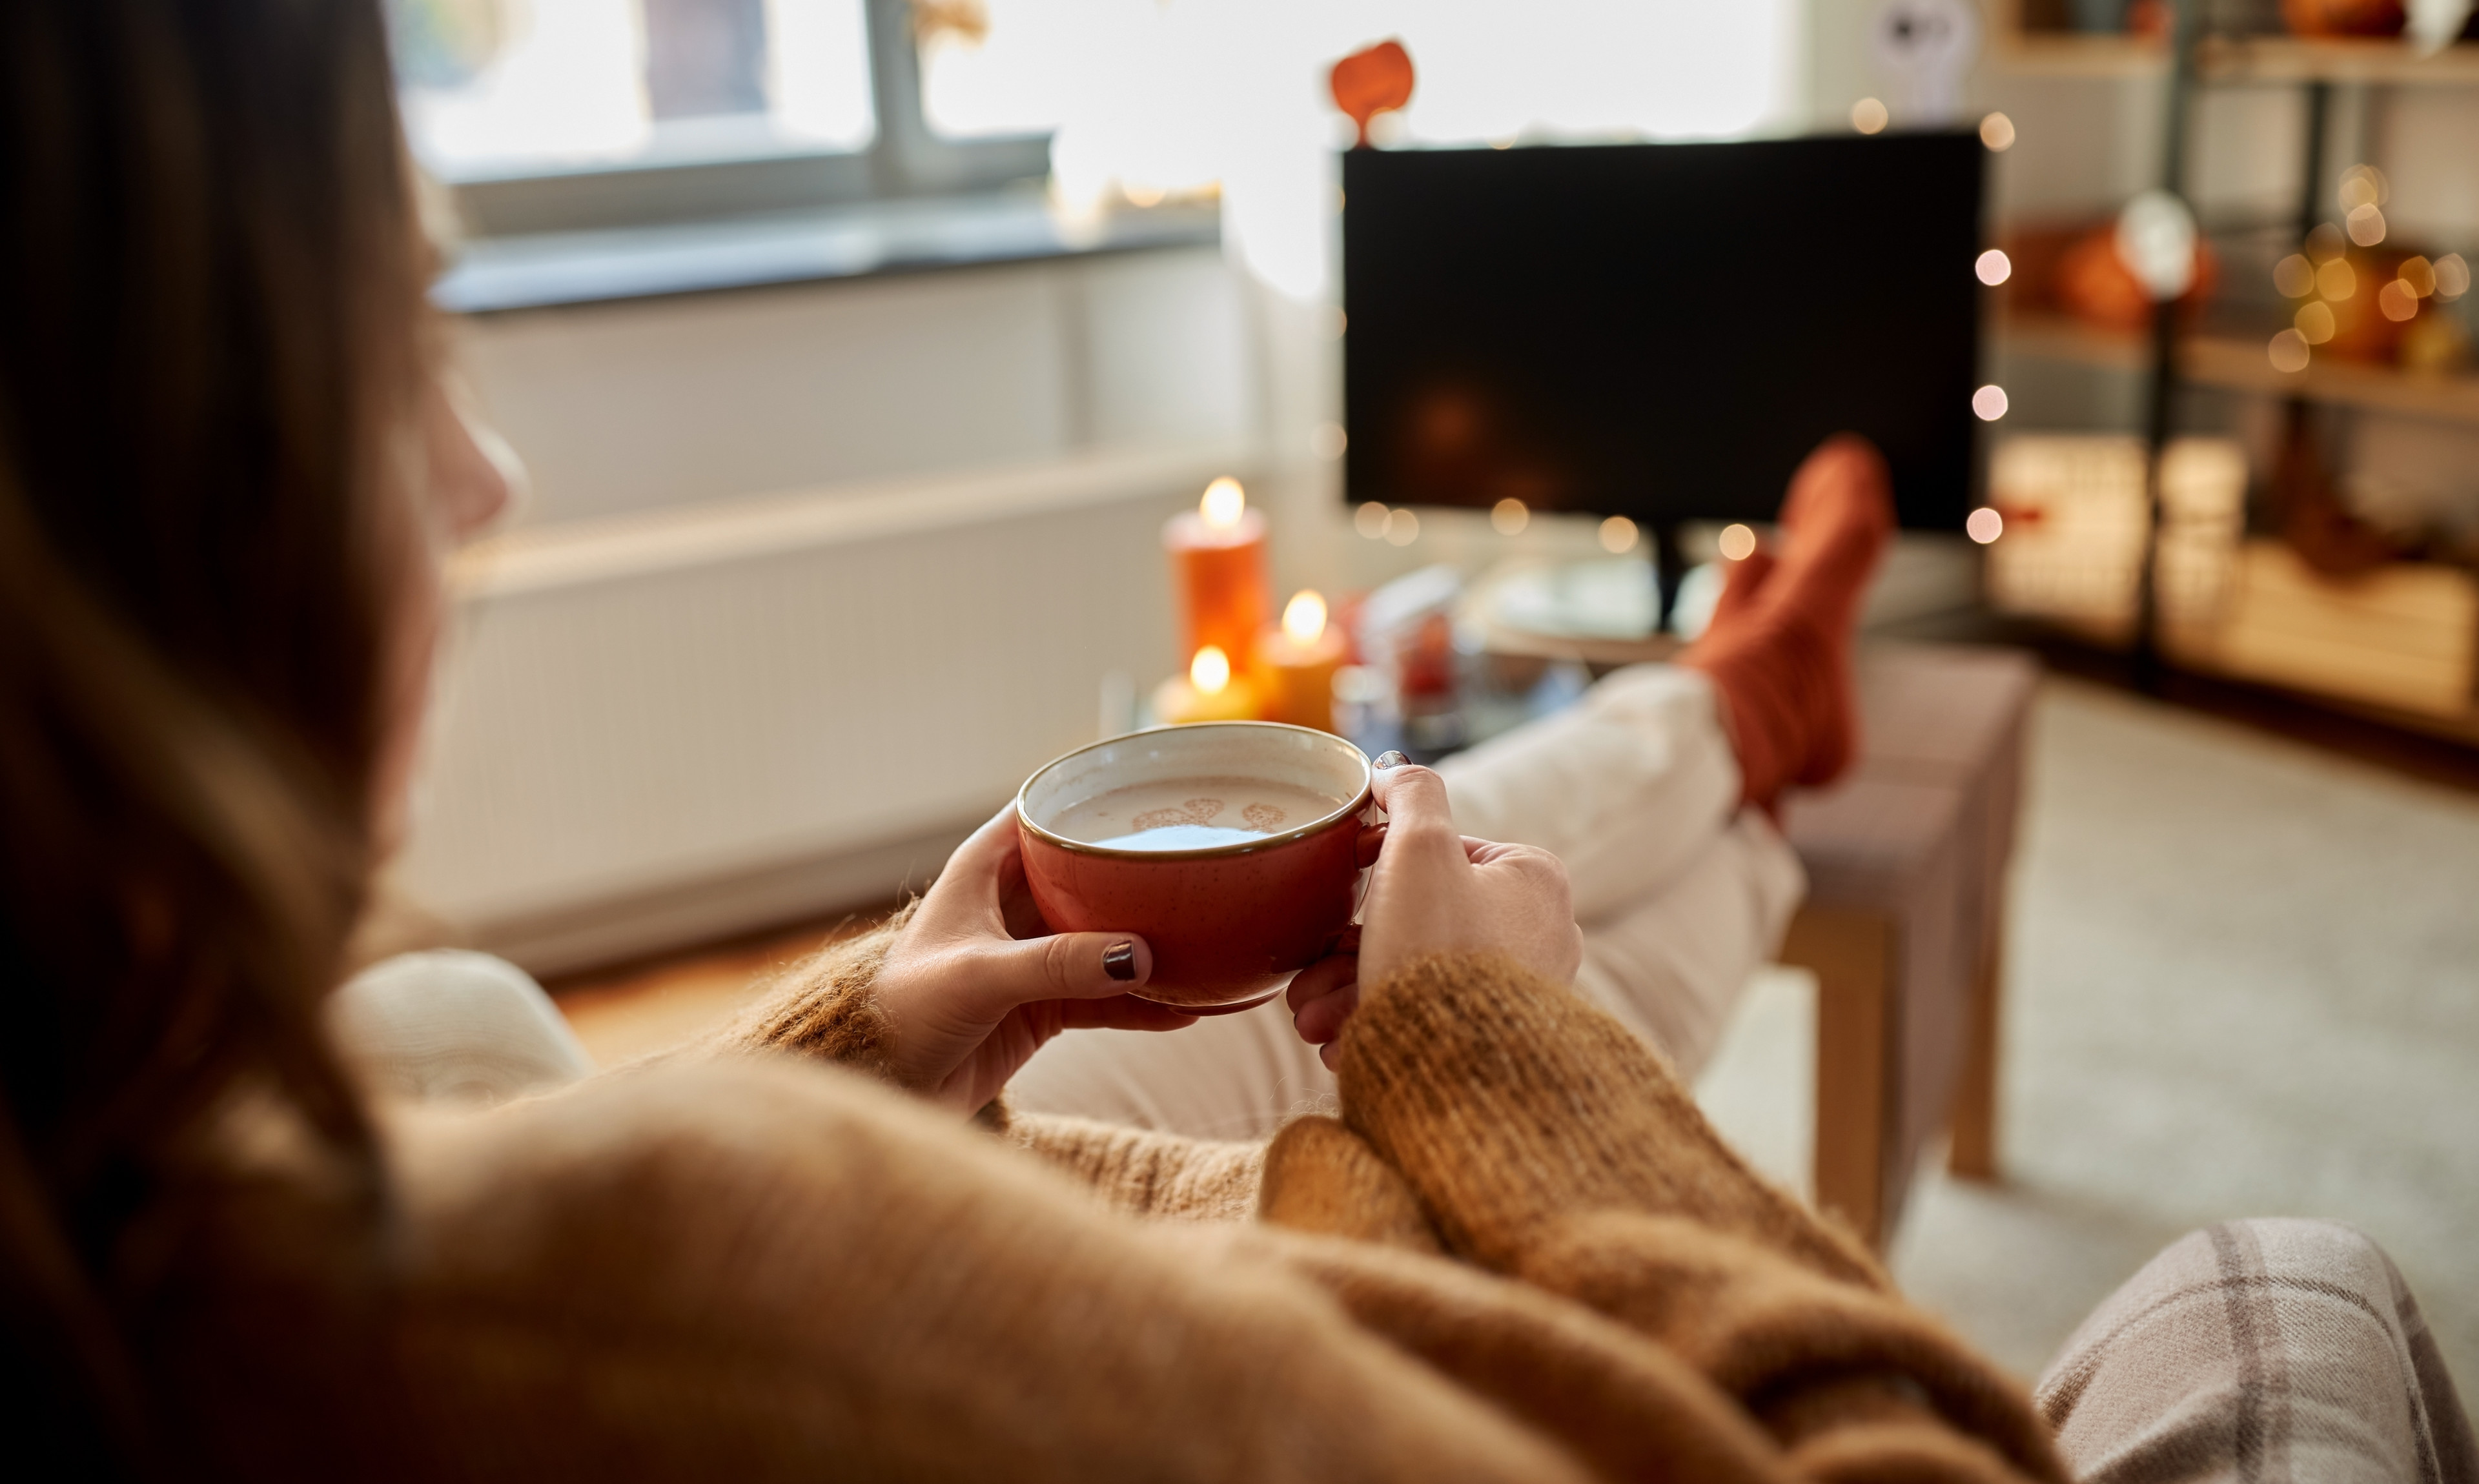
x=1197, y=813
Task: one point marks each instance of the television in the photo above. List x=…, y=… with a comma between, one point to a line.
x=1660, y=331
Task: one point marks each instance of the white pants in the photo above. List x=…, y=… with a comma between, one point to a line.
x=1682, y=895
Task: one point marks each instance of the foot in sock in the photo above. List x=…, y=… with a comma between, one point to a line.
x=1743, y=582
x=1779, y=648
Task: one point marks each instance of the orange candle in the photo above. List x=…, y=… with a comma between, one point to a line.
x=1296, y=662
x=1217, y=555
x=1208, y=693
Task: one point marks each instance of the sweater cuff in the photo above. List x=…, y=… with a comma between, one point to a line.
x=826, y=1007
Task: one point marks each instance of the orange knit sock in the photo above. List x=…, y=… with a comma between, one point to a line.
x=1743, y=585
x=1781, y=652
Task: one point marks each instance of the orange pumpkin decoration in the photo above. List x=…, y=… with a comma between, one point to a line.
x=1373, y=80
x=2343, y=18
x=2360, y=329
x=2095, y=286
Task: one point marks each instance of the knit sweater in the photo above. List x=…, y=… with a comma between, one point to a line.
x=1518, y=1255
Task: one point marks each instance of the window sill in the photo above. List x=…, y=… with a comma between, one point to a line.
x=542, y=270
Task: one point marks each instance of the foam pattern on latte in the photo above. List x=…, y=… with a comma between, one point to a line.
x=1191, y=813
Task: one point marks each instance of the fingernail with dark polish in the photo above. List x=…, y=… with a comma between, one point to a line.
x=1389, y=759
x=1119, y=961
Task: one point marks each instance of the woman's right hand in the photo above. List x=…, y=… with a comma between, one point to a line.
x=1433, y=890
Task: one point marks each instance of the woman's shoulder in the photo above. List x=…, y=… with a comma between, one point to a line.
x=657, y=1230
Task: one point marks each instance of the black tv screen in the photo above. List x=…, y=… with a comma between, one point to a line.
x=1660, y=331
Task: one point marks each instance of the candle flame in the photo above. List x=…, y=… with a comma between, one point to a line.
x=1304, y=616
x=1209, y=671
x=1222, y=503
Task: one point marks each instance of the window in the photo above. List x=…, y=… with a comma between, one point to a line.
x=558, y=113
x=550, y=115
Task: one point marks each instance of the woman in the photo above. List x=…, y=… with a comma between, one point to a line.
x=228, y=473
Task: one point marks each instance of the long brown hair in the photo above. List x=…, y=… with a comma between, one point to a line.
x=210, y=317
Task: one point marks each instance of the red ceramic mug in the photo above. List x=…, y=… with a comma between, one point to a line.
x=1232, y=847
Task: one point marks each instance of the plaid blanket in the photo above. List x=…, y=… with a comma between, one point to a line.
x=2269, y=1350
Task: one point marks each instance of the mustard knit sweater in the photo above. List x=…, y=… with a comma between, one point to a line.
x=1518, y=1255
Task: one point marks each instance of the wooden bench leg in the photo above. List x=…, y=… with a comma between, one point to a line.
x=1852, y=955
x=1972, y=1154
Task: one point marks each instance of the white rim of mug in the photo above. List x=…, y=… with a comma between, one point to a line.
x=1367, y=794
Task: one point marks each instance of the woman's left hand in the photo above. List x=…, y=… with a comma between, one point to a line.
x=976, y=982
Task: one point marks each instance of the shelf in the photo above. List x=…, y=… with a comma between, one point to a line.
x=2243, y=366
x=2237, y=59
x=2080, y=54
x=2238, y=365
x=2053, y=337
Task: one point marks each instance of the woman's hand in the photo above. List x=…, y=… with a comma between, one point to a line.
x=1436, y=891
x=975, y=984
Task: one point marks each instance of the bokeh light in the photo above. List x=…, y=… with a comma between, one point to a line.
x=1618, y=535
x=1983, y=525
x=1509, y=516
x=2452, y=277
x=1868, y=115
x=1328, y=440
x=2337, y=280
x=1369, y=520
x=2288, y=352
x=1997, y=132
x=2396, y=301
x=1402, y=527
x=2418, y=275
x=2324, y=244
x=2315, y=323
x=1737, y=542
x=1994, y=268
x=2294, y=277
x=1989, y=403
x=2366, y=226
x=2364, y=185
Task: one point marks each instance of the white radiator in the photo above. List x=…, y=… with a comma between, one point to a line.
x=664, y=727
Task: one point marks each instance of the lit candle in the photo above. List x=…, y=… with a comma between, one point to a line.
x=1208, y=693
x=1219, y=562
x=1296, y=662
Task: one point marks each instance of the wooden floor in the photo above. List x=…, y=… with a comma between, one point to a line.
x=630, y=1010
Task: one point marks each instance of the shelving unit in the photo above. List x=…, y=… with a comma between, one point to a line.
x=2172, y=357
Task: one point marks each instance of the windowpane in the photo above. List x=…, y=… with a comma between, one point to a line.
x=503, y=87
x=996, y=67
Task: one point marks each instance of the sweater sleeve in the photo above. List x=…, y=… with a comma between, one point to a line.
x=1509, y=1102
x=1547, y=1142
x=822, y=1008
